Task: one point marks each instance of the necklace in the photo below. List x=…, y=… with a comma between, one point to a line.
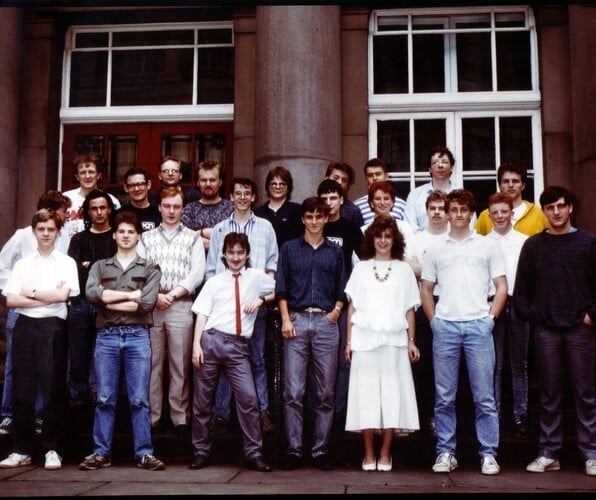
x=381, y=278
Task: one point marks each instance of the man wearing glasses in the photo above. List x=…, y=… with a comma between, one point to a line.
x=440, y=167
x=170, y=175
x=137, y=184
x=263, y=255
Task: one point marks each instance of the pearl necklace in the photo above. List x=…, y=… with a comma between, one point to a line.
x=383, y=278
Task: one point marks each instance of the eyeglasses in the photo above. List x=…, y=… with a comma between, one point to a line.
x=242, y=194
x=136, y=185
x=278, y=184
x=170, y=171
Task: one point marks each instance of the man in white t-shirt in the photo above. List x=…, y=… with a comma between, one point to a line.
x=462, y=322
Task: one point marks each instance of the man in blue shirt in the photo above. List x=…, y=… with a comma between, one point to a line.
x=309, y=288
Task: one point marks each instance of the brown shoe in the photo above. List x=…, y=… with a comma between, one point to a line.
x=266, y=424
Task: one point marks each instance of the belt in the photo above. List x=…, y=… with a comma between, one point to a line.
x=227, y=336
x=312, y=310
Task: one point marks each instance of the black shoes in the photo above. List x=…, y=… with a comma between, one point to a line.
x=290, y=462
x=199, y=462
x=323, y=462
x=258, y=464
x=521, y=428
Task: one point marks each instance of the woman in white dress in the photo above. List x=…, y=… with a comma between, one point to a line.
x=381, y=342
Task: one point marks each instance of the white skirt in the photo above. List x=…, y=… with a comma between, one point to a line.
x=381, y=393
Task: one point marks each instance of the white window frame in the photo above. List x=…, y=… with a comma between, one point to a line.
x=160, y=113
x=453, y=105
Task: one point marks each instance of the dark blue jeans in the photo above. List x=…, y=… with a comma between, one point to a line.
x=571, y=350
x=81, y=343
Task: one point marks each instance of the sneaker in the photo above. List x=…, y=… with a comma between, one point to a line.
x=543, y=464
x=489, y=466
x=591, y=467
x=38, y=425
x=53, y=461
x=15, y=460
x=445, y=462
x=94, y=462
x=150, y=462
x=6, y=426
x=266, y=424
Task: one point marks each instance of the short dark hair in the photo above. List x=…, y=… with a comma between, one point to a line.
x=314, y=204
x=463, y=197
x=344, y=167
x=329, y=186
x=379, y=225
x=375, y=162
x=441, y=151
x=53, y=200
x=128, y=217
x=232, y=239
x=245, y=181
x=516, y=168
x=93, y=195
x=136, y=171
x=552, y=193
x=284, y=174
x=436, y=195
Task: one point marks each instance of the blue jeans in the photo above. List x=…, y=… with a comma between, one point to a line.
x=517, y=333
x=317, y=341
x=559, y=351
x=127, y=347
x=223, y=393
x=6, y=409
x=81, y=342
x=475, y=339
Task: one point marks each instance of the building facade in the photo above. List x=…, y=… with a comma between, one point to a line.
x=257, y=86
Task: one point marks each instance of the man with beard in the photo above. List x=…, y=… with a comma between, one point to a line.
x=203, y=214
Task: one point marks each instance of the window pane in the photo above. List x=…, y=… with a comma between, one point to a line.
x=429, y=63
x=149, y=77
x=481, y=189
x=171, y=37
x=473, y=62
x=402, y=188
x=215, y=82
x=87, y=40
x=427, y=135
x=88, y=72
x=392, y=23
x=89, y=144
x=393, y=144
x=516, y=140
x=510, y=19
x=215, y=36
x=179, y=145
x=513, y=61
x=390, y=64
x=123, y=155
x=478, y=138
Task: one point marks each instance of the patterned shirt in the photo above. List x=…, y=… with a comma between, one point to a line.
x=262, y=239
x=197, y=215
x=397, y=212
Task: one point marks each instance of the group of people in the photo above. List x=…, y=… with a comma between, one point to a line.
x=378, y=301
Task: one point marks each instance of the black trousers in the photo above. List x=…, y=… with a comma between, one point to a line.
x=38, y=360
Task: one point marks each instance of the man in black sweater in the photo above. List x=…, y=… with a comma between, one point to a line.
x=555, y=290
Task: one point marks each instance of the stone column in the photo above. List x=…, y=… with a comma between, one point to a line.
x=297, y=93
x=11, y=43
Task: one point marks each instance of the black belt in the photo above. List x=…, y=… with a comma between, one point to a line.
x=228, y=336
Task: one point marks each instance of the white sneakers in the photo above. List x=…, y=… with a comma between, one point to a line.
x=544, y=464
x=445, y=462
x=489, y=466
x=15, y=460
x=53, y=461
x=591, y=467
